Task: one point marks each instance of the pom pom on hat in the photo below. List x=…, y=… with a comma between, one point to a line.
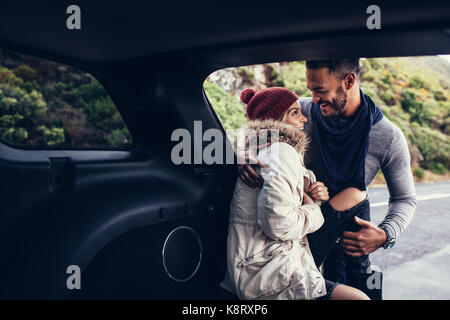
x=247, y=94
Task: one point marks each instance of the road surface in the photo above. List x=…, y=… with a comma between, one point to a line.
x=418, y=266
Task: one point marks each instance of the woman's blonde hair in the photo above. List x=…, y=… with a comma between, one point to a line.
x=283, y=116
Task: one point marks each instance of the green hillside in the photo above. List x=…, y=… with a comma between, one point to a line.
x=413, y=92
x=44, y=104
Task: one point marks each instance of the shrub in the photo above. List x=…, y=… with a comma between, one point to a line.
x=16, y=101
x=103, y=114
x=59, y=88
x=273, y=78
x=436, y=167
x=410, y=104
x=119, y=138
x=14, y=135
x=25, y=72
x=230, y=111
x=387, y=80
x=293, y=76
x=419, y=172
x=31, y=86
x=388, y=97
x=8, y=77
x=90, y=92
x=417, y=82
x=52, y=137
x=246, y=75
x=374, y=63
x=434, y=147
x=369, y=76
x=439, y=96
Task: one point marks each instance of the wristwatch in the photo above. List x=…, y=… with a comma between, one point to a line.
x=390, y=238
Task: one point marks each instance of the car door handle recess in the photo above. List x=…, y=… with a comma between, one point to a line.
x=60, y=174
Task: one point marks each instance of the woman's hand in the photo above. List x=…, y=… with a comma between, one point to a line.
x=319, y=191
x=307, y=199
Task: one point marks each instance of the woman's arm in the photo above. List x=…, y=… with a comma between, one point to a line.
x=316, y=189
x=280, y=213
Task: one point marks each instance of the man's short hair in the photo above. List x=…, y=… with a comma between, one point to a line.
x=339, y=67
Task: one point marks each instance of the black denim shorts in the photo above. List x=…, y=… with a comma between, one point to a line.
x=330, y=286
x=323, y=240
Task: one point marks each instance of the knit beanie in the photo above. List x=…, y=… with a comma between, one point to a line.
x=270, y=103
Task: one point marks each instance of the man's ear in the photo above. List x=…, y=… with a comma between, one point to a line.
x=349, y=80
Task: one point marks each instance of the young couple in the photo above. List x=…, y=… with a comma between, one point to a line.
x=285, y=222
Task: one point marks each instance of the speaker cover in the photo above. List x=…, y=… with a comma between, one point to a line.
x=182, y=253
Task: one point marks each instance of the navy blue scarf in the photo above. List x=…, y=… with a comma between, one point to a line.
x=342, y=144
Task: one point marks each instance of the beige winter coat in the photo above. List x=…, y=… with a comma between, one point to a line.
x=268, y=255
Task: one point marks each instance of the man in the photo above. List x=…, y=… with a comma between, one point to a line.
x=351, y=142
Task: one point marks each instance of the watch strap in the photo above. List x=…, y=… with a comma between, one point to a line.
x=390, y=238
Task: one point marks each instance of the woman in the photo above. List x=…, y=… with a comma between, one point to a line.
x=268, y=255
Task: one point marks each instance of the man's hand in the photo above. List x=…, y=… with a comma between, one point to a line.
x=319, y=191
x=363, y=242
x=247, y=160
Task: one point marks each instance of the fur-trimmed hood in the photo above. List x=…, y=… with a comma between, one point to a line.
x=265, y=129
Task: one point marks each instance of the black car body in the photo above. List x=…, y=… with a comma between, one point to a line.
x=110, y=212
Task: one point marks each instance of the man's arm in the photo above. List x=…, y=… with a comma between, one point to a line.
x=402, y=202
x=402, y=195
x=246, y=171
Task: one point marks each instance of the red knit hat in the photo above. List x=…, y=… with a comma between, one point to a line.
x=270, y=103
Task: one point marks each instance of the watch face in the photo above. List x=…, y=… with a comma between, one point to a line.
x=389, y=244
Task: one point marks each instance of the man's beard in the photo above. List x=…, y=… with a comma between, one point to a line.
x=338, y=103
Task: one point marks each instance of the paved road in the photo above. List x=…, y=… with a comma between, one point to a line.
x=418, y=266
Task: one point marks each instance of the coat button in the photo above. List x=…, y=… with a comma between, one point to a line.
x=320, y=291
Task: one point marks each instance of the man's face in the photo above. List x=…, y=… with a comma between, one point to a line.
x=327, y=91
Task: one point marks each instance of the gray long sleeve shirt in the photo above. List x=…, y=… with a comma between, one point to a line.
x=388, y=151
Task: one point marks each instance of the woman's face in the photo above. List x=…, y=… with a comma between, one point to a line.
x=294, y=116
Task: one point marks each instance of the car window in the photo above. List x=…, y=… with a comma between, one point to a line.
x=413, y=93
x=48, y=105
